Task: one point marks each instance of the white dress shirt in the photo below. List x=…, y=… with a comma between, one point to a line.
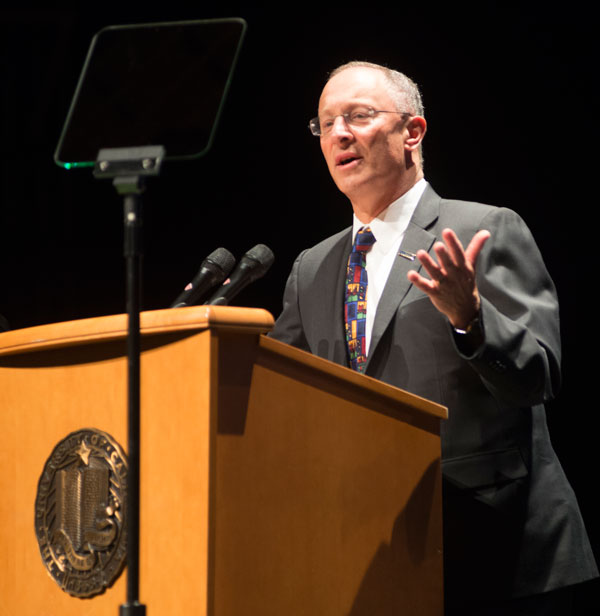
x=388, y=228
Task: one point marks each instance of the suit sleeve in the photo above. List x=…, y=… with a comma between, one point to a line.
x=519, y=360
x=288, y=327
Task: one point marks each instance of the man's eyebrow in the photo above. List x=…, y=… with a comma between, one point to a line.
x=346, y=107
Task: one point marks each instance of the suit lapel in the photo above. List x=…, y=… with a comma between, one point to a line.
x=328, y=319
x=417, y=237
x=340, y=349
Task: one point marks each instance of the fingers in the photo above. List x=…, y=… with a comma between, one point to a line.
x=447, y=258
x=454, y=247
x=476, y=244
x=452, y=254
x=452, y=259
x=436, y=272
x=424, y=284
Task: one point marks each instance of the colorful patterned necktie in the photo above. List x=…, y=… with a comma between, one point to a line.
x=355, y=306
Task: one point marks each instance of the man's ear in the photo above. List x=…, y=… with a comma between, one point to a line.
x=417, y=127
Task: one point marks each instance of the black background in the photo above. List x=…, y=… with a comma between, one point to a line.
x=510, y=98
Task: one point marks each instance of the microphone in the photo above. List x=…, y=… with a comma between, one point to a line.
x=214, y=269
x=252, y=266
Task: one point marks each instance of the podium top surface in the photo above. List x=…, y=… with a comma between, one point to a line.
x=53, y=335
x=350, y=380
x=252, y=321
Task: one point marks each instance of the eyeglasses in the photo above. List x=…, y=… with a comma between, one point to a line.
x=359, y=116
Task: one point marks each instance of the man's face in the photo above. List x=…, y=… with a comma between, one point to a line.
x=370, y=160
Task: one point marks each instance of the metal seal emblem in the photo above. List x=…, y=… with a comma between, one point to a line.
x=80, y=510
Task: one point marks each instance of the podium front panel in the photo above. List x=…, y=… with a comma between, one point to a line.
x=271, y=482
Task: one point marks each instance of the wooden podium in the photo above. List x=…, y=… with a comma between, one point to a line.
x=272, y=481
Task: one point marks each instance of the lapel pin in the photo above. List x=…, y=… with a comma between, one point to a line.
x=411, y=256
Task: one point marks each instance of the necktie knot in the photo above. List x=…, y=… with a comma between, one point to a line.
x=364, y=240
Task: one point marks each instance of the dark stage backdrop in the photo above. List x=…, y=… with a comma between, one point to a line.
x=510, y=100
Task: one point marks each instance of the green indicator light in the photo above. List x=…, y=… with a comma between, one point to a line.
x=78, y=165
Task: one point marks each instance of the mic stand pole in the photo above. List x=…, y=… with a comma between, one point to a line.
x=128, y=167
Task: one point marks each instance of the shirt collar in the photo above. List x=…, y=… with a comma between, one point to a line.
x=392, y=222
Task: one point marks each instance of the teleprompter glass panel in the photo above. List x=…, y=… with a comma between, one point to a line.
x=151, y=84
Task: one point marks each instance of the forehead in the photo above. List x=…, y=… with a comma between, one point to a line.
x=356, y=85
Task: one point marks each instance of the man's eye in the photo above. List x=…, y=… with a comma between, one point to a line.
x=360, y=115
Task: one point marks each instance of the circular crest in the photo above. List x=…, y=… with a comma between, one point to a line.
x=80, y=510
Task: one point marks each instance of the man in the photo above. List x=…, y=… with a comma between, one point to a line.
x=460, y=310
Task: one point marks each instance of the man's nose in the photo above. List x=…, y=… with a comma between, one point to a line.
x=340, y=128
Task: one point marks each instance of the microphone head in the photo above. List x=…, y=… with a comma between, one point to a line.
x=222, y=259
x=214, y=269
x=251, y=267
x=259, y=259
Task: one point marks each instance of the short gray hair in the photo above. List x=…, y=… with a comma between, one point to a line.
x=403, y=90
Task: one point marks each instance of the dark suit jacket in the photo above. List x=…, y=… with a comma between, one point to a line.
x=511, y=521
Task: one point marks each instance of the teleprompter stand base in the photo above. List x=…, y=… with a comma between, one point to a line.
x=132, y=609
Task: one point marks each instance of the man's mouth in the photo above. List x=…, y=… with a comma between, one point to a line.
x=343, y=161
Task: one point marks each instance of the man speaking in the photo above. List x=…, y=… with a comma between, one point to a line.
x=451, y=301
